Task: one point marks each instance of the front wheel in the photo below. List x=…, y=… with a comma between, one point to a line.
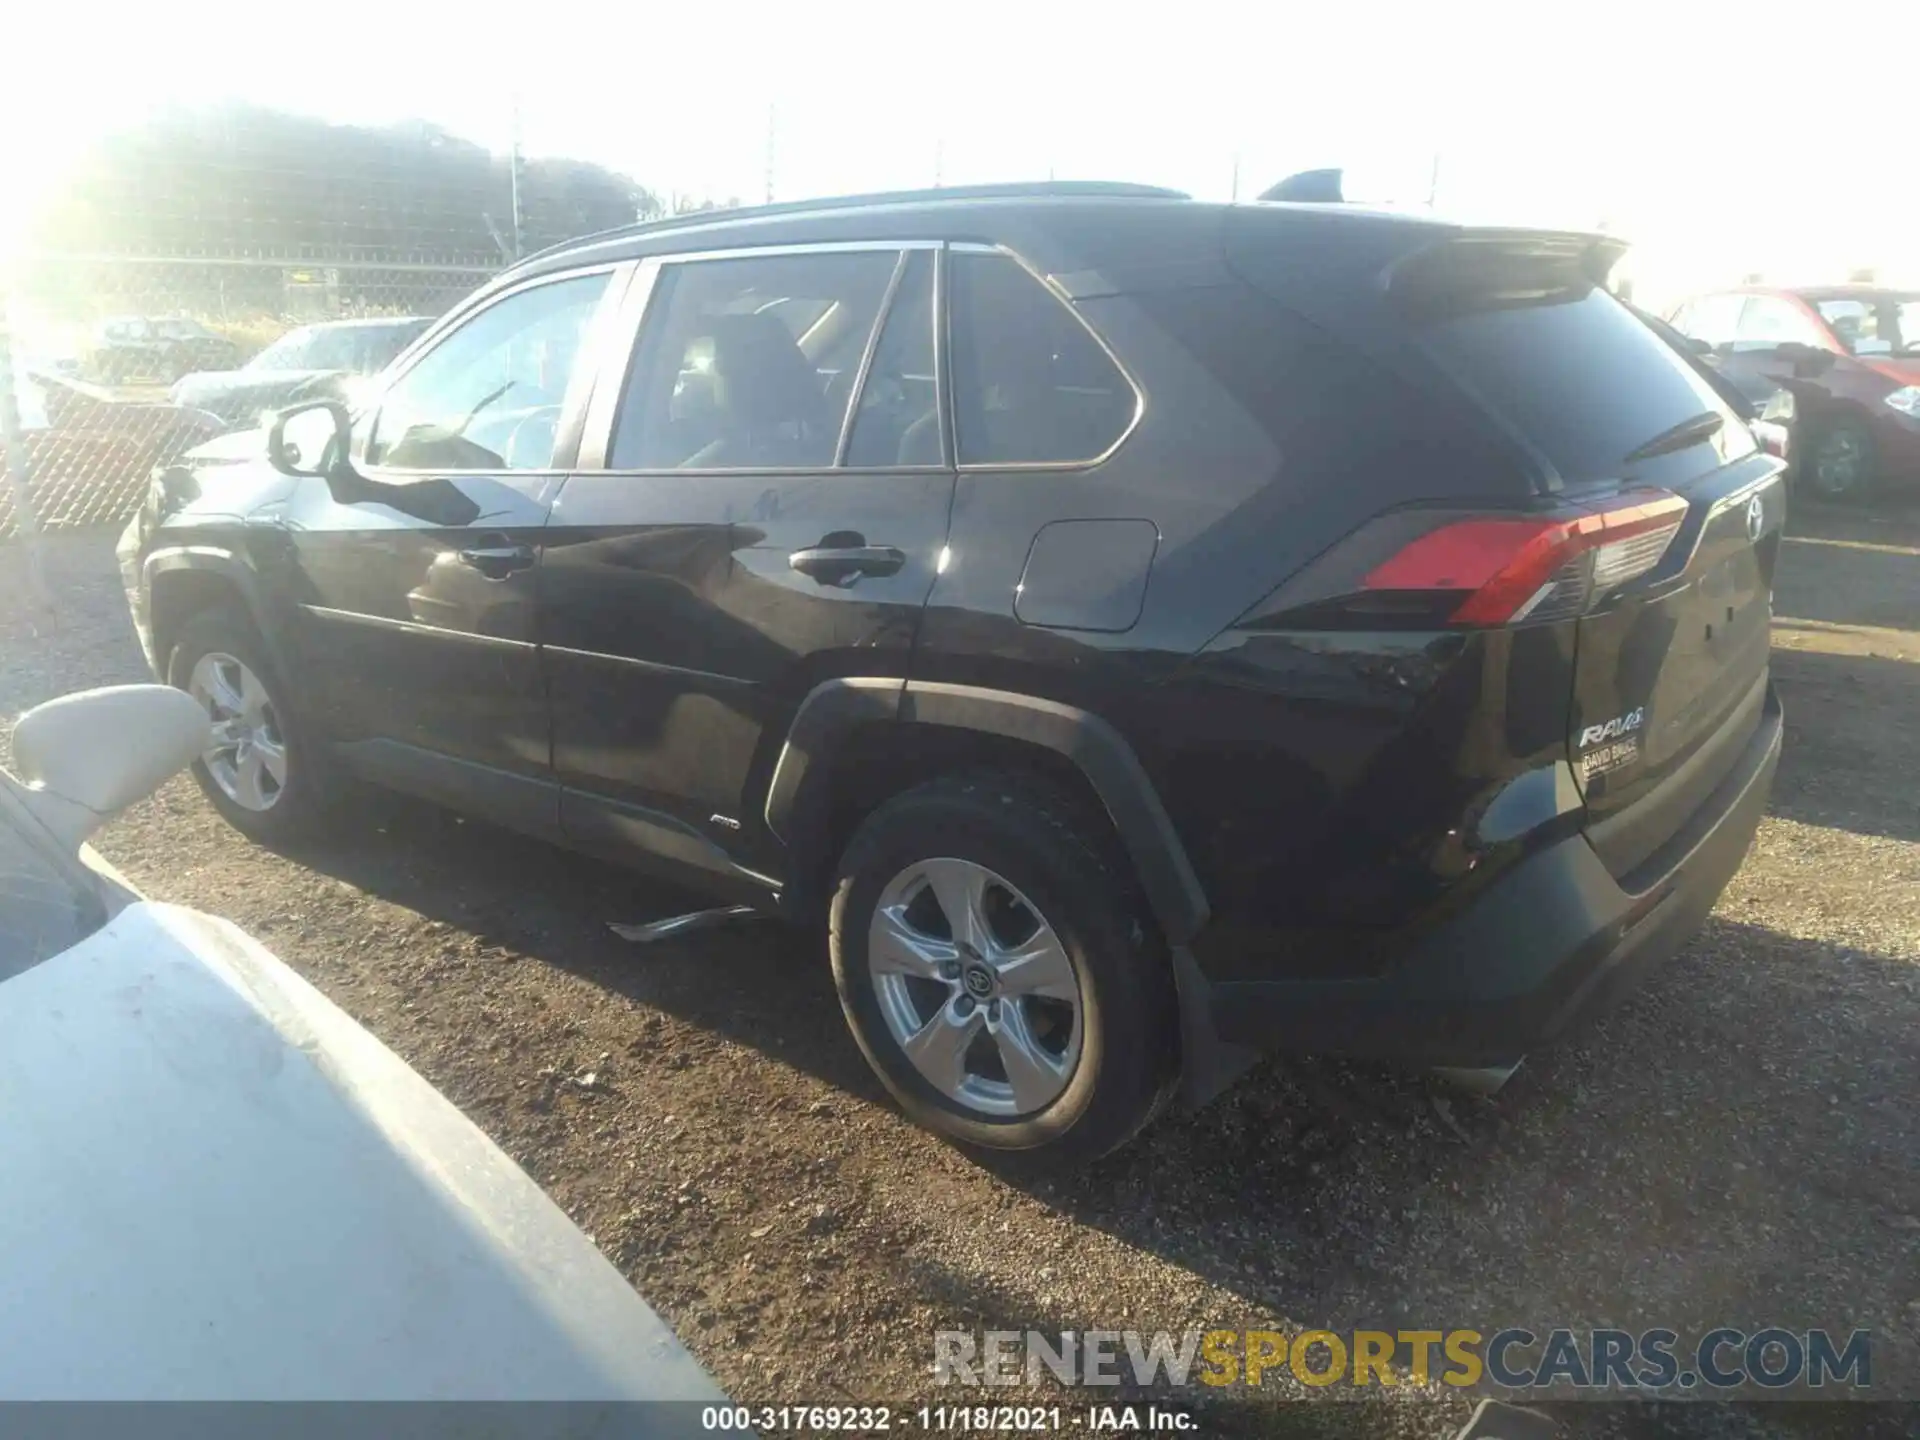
x=257, y=770
x=999, y=971
x=1842, y=462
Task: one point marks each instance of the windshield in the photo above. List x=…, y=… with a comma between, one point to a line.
x=44, y=907
x=361, y=349
x=1589, y=387
x=289, y=352
x=307, y=349
x=1887, y=324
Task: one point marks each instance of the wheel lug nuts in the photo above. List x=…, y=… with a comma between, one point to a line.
x=950, y=970
x=964, y=1005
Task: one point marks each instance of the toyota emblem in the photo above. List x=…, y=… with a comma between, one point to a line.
x=1756, y=517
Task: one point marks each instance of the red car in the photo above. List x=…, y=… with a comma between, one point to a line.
x=1850, y=354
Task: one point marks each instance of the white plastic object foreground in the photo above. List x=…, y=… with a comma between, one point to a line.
x=214, y=1185
x=86, y=757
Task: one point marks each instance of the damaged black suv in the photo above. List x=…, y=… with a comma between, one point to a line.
x=1145, y=633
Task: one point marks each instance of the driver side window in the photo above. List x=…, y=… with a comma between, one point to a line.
x=488, y=396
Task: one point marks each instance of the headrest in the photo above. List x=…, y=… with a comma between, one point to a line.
x=765, y=377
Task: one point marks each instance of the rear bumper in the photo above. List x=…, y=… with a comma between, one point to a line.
x=1553, y=939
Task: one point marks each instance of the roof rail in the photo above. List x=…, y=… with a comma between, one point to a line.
x=1031, y=189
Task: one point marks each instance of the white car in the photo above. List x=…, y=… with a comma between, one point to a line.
x=219, y=1187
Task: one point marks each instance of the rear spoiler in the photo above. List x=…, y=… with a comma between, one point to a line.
x=1479, y=269
x=1320, y=187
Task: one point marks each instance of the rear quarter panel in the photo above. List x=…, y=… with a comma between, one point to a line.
x=1316, y=780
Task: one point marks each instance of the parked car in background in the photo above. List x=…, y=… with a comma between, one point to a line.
x=1850, y=354
x=89, y=451
x=1768, y=409
x=1141, y=633
x=311, y=363
x=142, y=348
x=219, y=1187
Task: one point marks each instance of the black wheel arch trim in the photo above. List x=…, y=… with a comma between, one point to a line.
x=208, y=560
x=832, y=709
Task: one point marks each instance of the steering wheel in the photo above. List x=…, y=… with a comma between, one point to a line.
x=530, y=443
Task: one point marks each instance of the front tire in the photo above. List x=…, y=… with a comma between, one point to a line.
x=999, y=971
x=259, y=771
x=1842, y=463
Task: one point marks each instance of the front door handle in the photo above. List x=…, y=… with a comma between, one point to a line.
x=496, y=562
x=846, y=565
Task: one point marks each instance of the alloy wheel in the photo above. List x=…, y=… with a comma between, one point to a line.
x=975, y=987
x=247, y=758
x=1839, y=462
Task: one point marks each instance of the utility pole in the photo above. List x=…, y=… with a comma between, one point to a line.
x=772, y=131
x=1233, y=192
x=1433, y=181
x=939, y=161
x=13, y=456
x=513, y=177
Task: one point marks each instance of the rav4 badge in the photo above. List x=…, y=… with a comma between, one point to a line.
x=1620, y=725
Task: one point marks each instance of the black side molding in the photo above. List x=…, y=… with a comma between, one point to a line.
x=1095, y=748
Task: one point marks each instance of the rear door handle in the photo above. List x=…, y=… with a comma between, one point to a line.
x=845, y=565
x=496, y=562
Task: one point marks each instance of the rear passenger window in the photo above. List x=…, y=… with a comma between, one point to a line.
x=899, y=418
x=1031, y=385
x=751, y=363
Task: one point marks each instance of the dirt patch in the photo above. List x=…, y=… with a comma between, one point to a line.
x=1737, y=1144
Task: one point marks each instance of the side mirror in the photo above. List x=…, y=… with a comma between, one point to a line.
x=309, y=439
x=87, y=757
x=1697, y=345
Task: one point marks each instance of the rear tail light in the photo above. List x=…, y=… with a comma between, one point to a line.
x=1773, y=438
x=1509, y=569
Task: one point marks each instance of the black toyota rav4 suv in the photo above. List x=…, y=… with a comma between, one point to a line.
x=1143, y=633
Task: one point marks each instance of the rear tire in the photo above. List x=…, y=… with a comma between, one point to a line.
x=1842, y=463
x=261, y=772
x=1045, y=1021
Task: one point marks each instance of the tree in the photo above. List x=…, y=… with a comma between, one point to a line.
x=239, y=179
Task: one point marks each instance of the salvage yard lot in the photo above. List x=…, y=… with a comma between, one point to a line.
x=1737, y=1144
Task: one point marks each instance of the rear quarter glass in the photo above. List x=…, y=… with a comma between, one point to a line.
x=1355, y=434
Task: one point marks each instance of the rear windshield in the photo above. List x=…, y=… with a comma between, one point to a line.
x=1585, y=384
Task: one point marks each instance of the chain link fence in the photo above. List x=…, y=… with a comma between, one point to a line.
x=215, y=261
x=121, y=362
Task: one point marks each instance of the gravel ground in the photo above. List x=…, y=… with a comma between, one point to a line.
x=1737, y=1144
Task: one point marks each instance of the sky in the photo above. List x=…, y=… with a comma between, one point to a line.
x=1719, y=140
